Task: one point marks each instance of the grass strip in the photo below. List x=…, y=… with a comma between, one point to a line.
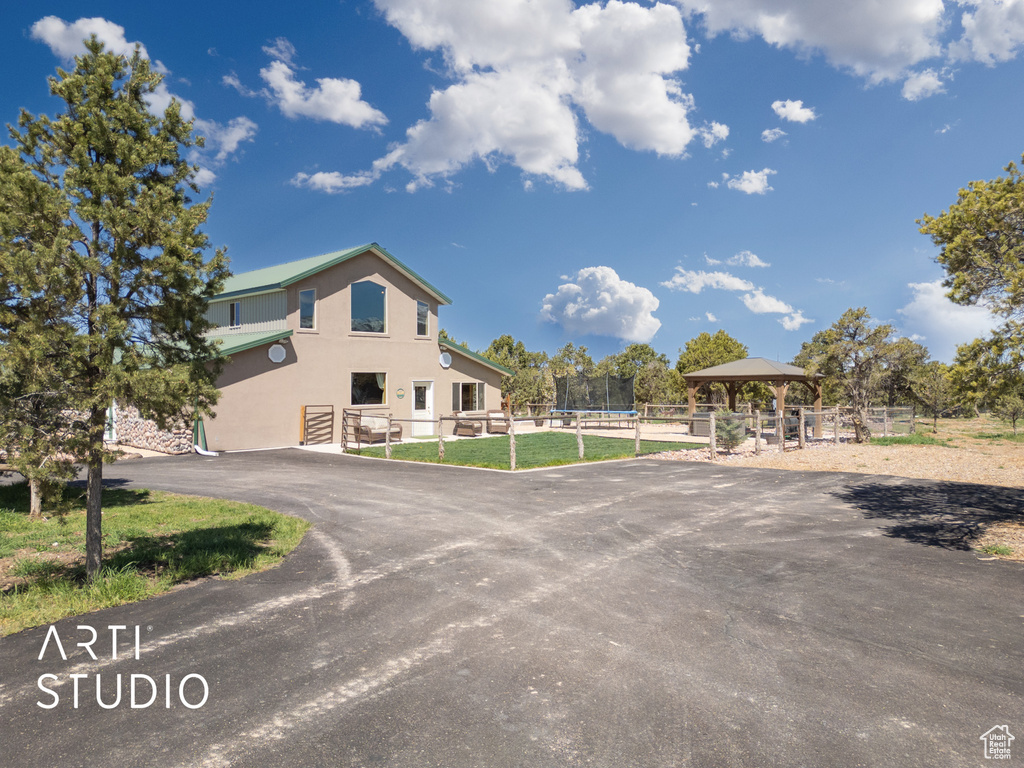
x=916, y=438
x=152, y=541
x=541, y=449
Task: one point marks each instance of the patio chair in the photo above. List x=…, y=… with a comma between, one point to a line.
x=497, y=423
x=466, y=426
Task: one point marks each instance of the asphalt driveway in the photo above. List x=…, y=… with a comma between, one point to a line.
x=636, y=613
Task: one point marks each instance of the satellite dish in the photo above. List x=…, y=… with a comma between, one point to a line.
x=445, y=360
x=277, y=353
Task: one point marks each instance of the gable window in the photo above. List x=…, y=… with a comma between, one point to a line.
x=235, y=314
x=369, y=388
x=368, y=307
x=422, y=318
x=307, y=309
x=468, y=396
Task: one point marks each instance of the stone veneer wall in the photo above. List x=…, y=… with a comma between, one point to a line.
x=138, y=432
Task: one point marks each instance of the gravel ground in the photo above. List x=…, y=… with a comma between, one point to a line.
x=969, y=458
x=987, y=465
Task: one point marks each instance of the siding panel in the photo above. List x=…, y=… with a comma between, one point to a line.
x=263, y=312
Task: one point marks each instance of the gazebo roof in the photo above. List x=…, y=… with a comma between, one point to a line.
x=752, y=369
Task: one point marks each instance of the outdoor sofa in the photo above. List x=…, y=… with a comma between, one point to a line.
x=375, y=428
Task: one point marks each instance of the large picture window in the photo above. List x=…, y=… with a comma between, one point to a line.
x=422, y=318
x=467, y=396
x=369, y=388
x=369, y=307
x=307, y=309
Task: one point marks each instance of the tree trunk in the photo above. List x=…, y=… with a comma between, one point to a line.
x=93, y=503
x=861, y=433
x=35, y=504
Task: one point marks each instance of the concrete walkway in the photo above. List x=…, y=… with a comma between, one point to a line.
x=632, y=613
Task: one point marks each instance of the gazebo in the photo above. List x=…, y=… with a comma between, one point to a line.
x=737, y=373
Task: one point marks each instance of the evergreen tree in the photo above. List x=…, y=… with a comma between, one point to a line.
x=934, y=390
x=529, y=383
x=853, y=354
x=125, y=237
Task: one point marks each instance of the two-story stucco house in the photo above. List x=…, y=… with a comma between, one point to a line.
x=352, y=330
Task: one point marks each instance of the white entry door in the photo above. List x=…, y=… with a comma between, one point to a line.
x=423, y=408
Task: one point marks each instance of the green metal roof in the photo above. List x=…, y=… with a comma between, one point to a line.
x=282, y=275
x=239, y=342
x=461, y=350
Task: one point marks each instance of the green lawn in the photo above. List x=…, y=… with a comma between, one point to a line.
x=540, y=449
x=151, y=541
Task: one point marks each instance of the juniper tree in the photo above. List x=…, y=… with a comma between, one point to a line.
x=126, y=238
x=853, y=354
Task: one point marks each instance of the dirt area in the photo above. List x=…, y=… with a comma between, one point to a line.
x=978, y=451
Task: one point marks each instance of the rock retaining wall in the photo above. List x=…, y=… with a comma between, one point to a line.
x=138, y=432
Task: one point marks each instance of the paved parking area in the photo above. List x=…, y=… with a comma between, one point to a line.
x=633, y=613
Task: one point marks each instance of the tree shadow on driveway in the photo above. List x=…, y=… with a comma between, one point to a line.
x=947, y=515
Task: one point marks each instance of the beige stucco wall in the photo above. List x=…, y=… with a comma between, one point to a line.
x=261, y=401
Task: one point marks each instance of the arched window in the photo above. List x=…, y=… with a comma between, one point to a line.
x=369, y=310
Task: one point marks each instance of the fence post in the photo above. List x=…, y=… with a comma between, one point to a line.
x=344, y=431
x=885, y=420
x=511, y=441
x=801, y=423
x=579, y=434
x=440, y=438
x=757, y=432
x=836, y=423
x=387, y=440
x=638, y=434
x=711, y=431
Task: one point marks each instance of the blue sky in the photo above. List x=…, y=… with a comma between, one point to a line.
x=598, y=173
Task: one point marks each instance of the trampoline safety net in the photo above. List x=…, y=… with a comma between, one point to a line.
x=594, y=393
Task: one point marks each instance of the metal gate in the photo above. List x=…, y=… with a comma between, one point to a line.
x=317, y=425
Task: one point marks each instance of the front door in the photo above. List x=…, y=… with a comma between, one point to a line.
x=423, y=408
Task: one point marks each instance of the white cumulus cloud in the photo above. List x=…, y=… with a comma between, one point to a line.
x=875, y=40
x=697, y=281
x=752, y=182
x=941, y=323
x=747, y=259
x=332, y=182
x=772, y=134
x=793, y=321
x=793, y=111
x=993, y=30
x=714, y=133
x=921, y=85
x=753, y=298
x=336, y=100
x=599, y=302
x=759, y=303
x=524, y=74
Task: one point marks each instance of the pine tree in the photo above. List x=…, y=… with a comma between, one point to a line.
x=127, y=279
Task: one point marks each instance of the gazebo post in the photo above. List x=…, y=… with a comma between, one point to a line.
x=780, y=410
x=816, y=391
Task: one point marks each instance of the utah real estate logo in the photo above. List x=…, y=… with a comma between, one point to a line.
x=997, y=742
